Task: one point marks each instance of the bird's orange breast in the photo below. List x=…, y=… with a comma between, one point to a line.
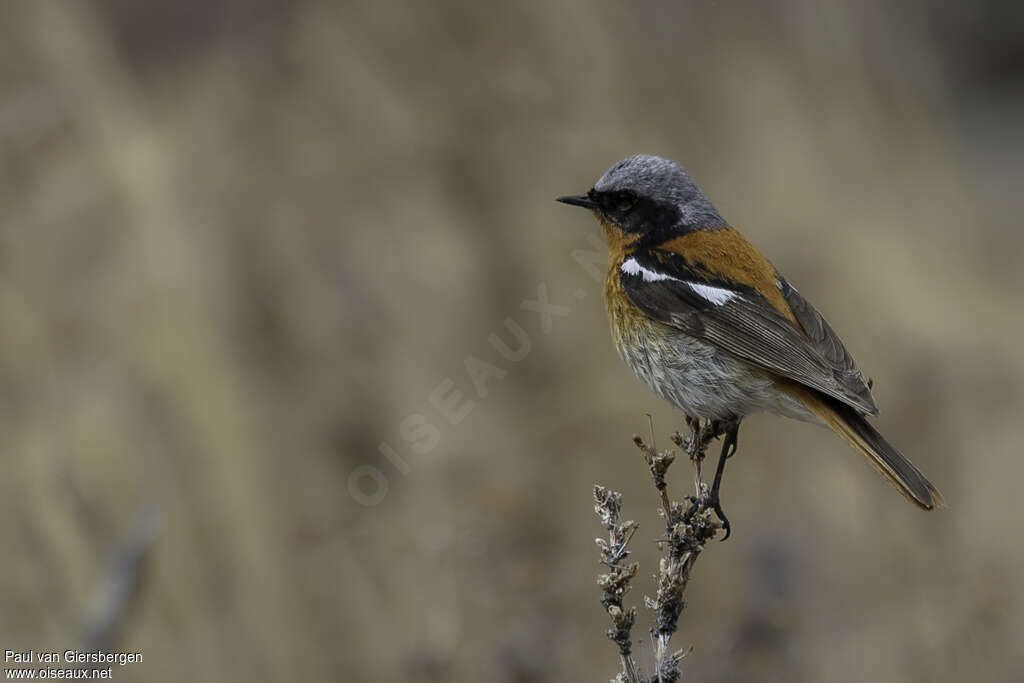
x=626, y=319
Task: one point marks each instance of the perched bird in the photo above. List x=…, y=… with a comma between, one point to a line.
x=707, y=322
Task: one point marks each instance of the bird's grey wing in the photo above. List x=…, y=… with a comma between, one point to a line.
x=733, y=317
x=827, y=343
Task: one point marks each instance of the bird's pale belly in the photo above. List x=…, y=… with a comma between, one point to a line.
x=697, y=378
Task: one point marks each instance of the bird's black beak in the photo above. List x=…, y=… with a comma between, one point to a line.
x=578, y=200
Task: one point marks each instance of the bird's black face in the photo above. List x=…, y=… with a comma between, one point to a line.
x=648, y=199
x=629, y=211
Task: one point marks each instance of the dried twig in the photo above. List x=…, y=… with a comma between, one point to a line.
x=688, y=527
x=615, y=584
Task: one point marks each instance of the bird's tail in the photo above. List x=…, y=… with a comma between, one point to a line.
x=852, y=426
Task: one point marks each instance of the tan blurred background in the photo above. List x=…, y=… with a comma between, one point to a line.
x=251, y=255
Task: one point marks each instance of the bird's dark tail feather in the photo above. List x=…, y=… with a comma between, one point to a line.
x=852, y=426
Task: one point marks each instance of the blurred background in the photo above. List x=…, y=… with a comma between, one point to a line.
x=305, y=376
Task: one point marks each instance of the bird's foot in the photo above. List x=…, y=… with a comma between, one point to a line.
x=731, y=430
x=715, y=503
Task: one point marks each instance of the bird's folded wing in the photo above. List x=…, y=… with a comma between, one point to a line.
x=828, y=344
x=736, y=318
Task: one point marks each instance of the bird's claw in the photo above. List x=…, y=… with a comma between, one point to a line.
x=716, y=505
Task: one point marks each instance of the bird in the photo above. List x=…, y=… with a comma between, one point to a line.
x=707, y=322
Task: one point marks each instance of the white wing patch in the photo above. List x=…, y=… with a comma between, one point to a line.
x=632, y=267
x=714, y=295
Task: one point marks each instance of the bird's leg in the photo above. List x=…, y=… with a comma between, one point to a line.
x=702, y=433
x=731, y=431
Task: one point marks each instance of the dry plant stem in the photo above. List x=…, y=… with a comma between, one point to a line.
x=658, y=463
x=616, y=583
x=688, y=527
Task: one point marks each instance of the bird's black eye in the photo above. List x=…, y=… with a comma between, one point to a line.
x=625, y=201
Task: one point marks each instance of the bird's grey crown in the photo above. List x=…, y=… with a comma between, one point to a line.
x=663, y=181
